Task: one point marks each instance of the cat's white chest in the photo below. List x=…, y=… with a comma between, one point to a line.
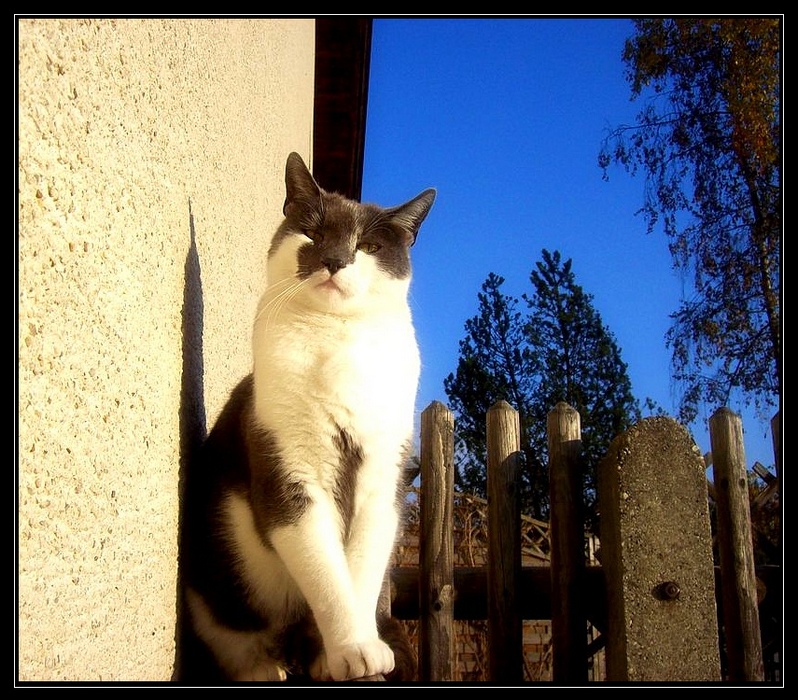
x=361, y=374
x=373, y=366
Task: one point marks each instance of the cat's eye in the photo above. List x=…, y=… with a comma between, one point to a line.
x=368, y=247
x=315, y=236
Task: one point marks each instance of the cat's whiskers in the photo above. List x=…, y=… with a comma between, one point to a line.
x=277, y=298
x=280, y=298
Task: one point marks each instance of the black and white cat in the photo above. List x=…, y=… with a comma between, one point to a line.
x=291, y=512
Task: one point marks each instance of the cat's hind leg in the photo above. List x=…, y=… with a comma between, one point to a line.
x=242, y=655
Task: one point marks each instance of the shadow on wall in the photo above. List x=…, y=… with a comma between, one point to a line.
x=192, y=408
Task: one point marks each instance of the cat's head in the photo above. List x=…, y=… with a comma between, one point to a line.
x=335, y=255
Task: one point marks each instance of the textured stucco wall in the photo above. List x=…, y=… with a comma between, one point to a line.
x=151, y=157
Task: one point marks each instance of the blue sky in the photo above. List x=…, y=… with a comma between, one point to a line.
x=505, y=117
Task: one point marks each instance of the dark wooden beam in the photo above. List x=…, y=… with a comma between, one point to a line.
x=343, y=55
x=471, y=593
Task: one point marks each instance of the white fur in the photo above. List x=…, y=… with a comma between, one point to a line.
x=329, y=353
x=269, y=586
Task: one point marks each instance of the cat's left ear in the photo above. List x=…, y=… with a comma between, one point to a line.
x=302, y=193
x=411, y=215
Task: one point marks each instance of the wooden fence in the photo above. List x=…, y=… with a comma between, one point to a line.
x=653, y=598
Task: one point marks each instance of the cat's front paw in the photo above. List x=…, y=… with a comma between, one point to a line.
x=353, y=661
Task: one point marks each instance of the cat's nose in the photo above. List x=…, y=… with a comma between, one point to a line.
x=333, y=264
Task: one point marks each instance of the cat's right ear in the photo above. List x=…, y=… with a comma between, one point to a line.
x=410, y=215
x=302, y=193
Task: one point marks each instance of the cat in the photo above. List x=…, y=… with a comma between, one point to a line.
x=291, y=510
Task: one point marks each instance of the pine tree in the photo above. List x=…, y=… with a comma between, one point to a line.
x=495, y=364
x=558, y=350
x=582, y=363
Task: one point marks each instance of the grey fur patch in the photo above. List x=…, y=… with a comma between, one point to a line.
x=276, y=499
x=351, y=459
x=339, y=225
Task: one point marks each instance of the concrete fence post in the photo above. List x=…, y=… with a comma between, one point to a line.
x=656, y=552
